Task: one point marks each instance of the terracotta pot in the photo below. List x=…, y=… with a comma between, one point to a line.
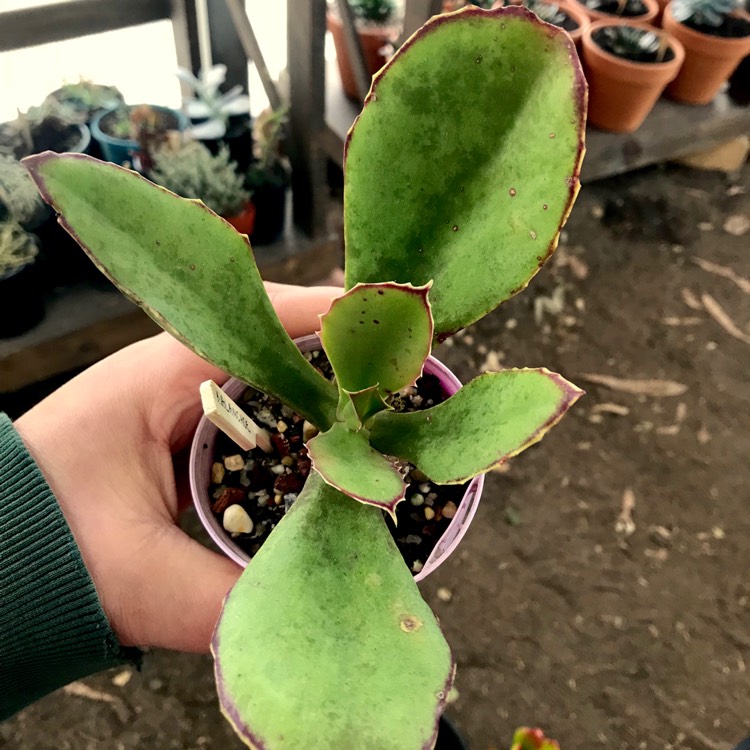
x=709, y=61
x=243, y=222
x=373, y=40
x=652, y=11
x=622, y=92
x=202, y=456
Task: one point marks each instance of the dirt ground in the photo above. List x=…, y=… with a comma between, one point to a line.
x=630, y=633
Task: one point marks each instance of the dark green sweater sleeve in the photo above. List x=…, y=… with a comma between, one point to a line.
x=52, y=626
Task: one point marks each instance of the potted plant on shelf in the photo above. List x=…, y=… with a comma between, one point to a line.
x=192, y=171
x=642, y=11
x=49, y=127
x=21, y=303
x=128, y=134
x=218, y=118
x=325, y=643
x=19, y=198
x=86, y=98
x=566, y=15
x=268, y=178
x=375, y=21
x=716, y=37
x=627, y=67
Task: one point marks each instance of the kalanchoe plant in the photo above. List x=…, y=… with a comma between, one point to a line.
x=704, y=12
x=325, y=643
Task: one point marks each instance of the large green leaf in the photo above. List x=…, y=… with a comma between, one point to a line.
x=188, y=269
x=492, y=418
x=347, y=462
x=464, y=163
x=378, y=335
x=324, y=643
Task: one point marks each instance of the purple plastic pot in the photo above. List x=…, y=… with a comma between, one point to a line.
x=202, y=456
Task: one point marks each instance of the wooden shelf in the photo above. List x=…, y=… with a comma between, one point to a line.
x=670, y=131
x=88, y=321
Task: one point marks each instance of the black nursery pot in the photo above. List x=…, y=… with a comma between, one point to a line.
x=21, y=300
x=269, y=198
x=448, y=737
x=238, y=139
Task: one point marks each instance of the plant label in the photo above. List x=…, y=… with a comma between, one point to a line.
x=231, y=420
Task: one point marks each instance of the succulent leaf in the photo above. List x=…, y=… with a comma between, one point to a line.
x=188, y=269
x=494, y=417
x=378, y=335
x=325, y=643
x=347, y=462
x=464, y=163
x=532, y=739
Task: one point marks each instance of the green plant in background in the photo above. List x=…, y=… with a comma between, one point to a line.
x=270, y=166
x=325, y=642
x=19, y=198
x=376, y=12
x=704, y=12
x=86, y=97
x=210, y=104
x=192, y=171
x=17, y=247
x=49, y=114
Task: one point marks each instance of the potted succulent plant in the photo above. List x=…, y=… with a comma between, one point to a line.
x=375, y=21
x=567, y=15
x=128, y=134
x=324, y=643
x=643, y=11
x=21, y=303
x=218, y=118
x=269, y=176
x=716, y=37
x=627, y=66
x=86, y=98
x=50, y=126
x=192, y=171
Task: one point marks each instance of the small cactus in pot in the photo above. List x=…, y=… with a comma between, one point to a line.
x=325, y=642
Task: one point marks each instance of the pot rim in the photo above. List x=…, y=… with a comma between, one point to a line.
x=574, y=10
x=623, y=63
x=205, y=435
x=100, y=135
x=702, y=38
x=652, y=10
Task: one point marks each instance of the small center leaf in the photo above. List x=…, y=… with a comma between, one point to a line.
x=378, y=335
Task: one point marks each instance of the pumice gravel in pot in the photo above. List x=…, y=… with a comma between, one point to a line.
x=432, y=519
x=325, y=643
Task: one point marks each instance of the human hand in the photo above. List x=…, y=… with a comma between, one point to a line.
x=105, y=442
